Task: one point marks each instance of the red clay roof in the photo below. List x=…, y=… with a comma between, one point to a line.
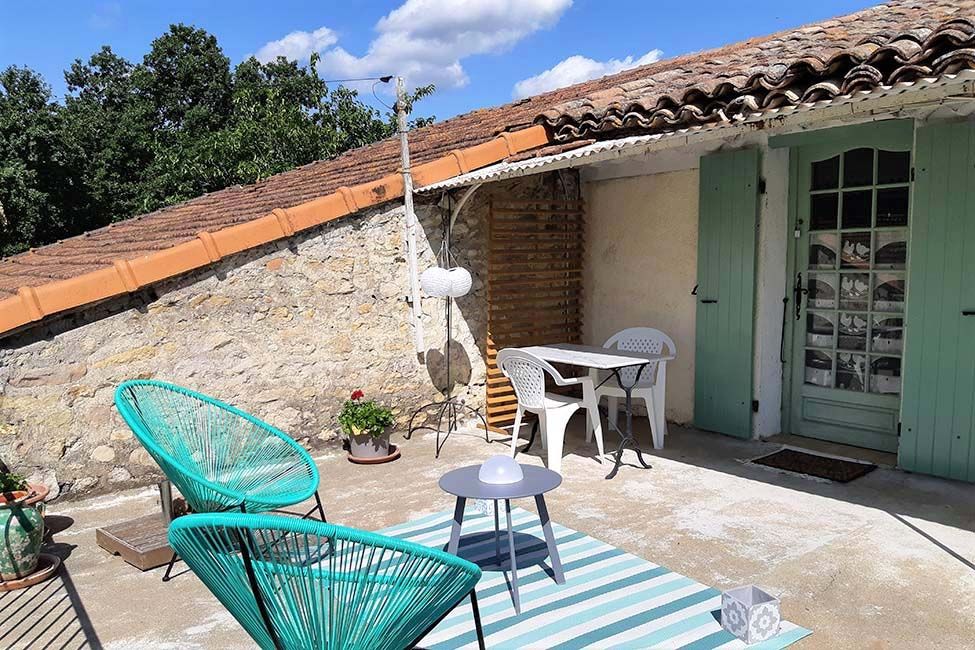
x=146, y=249
x=900, y=42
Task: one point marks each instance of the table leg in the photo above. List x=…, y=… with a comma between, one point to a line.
x=511, y=559
x=455, y=527
x=553, y=551
x=627, y=435
x=497, y=535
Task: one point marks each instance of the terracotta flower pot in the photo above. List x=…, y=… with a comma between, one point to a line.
x=38, y=493
x=367, y=446
x=22, y=528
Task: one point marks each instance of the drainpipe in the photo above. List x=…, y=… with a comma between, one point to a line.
x=416, y=313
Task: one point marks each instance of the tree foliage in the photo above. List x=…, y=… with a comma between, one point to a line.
x=130, y=138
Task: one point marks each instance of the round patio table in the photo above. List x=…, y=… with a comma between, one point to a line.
x=464, y=484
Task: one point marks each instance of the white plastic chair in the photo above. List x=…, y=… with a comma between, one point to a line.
x=652, y=386
x=527, y=375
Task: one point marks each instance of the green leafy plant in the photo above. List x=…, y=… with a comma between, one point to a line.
x=364, y=417
x=10, y=482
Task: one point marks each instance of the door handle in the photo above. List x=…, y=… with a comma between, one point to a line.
x=798, y=291
x=968, y=312
x=709, y=301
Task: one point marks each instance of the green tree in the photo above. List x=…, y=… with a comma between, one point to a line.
x=132, y=138
x=38, y=186
x=112, y=123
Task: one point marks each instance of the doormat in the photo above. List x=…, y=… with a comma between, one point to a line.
x=800, y=462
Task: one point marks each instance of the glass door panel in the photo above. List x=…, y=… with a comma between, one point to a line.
x=851, y=259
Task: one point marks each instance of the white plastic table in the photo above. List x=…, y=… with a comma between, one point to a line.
x=592, y=356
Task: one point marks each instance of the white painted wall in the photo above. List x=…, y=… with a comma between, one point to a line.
x=641, y=264
x=770, y=287
x=640, y=267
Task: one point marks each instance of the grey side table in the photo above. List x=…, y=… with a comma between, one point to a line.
x=464, y=484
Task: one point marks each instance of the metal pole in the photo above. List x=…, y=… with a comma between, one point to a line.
x=411, y=249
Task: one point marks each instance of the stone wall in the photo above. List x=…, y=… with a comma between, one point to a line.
x=285, y=331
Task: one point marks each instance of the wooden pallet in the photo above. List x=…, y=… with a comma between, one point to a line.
x=141, y=542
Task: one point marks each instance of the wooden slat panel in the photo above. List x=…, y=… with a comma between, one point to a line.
x=535, y=254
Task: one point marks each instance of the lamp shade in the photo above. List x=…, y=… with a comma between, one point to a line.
x=460, y=282
x=435, y=281
x=500, y=470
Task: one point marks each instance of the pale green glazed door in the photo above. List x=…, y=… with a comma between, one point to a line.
x=726, y=292
x=938, y=436
x=853, y=197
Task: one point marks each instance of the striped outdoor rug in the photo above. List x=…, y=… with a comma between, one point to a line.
x=610, y=599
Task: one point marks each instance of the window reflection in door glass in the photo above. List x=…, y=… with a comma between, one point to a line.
x=819, y=329
x=822, y=211
x=819, y=368
x=854, y=291
x=888, y=293
x=892, y=206
x=891, y=250
x=885, y=375
x=822, y=251
x=893, y=167
x=851, y=371
x=826, y=174
x=852, y=331
x=855, y=251
x=858, y=168
x=857, y=209
x=822, y=291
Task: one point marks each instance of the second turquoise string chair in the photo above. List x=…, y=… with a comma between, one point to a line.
x=301, y=584
x=219, y=457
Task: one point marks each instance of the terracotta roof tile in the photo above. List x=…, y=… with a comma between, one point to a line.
x=899, y=41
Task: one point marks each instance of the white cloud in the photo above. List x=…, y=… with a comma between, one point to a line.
x=298, y=46
x=576, y=69
x=426, y=40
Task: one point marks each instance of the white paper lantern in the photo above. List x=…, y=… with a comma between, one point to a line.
x=435, y=281
x=500, y=470
x=460, y=282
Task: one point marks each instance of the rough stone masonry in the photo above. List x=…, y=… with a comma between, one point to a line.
x=285, y=331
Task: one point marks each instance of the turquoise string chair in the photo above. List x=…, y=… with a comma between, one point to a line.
x=297, y=583
x=219, y=457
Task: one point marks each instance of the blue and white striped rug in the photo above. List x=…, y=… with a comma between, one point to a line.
x=610, y=599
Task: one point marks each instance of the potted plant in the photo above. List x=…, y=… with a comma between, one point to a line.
x=22, y=526
x=366, y=423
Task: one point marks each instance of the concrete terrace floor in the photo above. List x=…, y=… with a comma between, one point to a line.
x=887, y=561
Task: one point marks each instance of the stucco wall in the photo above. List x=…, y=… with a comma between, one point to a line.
x=641, y=265
x=285, y=331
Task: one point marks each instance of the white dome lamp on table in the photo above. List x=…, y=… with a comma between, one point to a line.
x=446, y=280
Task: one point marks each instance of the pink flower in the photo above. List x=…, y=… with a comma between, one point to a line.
x=357, y=394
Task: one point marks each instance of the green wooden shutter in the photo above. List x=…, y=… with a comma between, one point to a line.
x=726, y=292
x=939, y=364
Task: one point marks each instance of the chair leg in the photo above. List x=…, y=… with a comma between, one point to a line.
x=516, y=431
x=169, y=568
x=660, y=402
x=553, y=426
x=656, y=432
x=543, y=429
x=590, y=423
x=594, y=424
x=318, y=504
x=477, y=621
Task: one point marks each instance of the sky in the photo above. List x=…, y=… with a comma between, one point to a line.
x=478, y=52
